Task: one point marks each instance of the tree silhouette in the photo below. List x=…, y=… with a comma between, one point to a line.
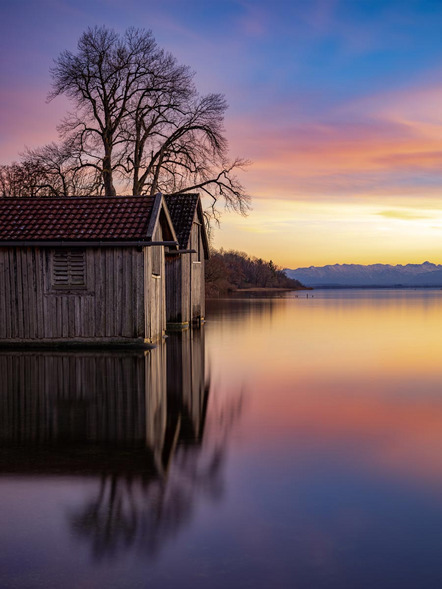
x=139, y=121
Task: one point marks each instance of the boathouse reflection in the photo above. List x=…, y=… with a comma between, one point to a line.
x=134, y=421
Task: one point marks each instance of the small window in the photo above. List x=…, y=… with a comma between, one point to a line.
x=156, y=261
x=69, y=269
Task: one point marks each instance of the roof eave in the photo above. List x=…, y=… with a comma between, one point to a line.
x=204, y=235
x=95, y=243
x=160, y=204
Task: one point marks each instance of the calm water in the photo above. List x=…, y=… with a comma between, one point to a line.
x=293, y=442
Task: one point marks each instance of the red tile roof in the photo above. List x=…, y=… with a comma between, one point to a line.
x=83, y=218
x=182, y=209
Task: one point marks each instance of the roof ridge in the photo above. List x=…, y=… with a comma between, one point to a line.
x=75, y=197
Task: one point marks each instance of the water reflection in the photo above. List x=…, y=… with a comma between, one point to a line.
x=343, y=435
x=126, y=470
x=134, y=424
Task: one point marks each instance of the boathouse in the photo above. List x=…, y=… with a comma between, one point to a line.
x=86, y=270
x=185, y=292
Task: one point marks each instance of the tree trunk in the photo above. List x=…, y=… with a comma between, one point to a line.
x=109, y=189
x=136, y=185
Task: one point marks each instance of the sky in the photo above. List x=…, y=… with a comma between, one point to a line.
x=338, y=105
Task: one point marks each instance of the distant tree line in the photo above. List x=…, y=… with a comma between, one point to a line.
x=138, y=125
x=227, y=271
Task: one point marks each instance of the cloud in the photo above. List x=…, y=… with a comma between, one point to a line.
x=403, y=215
x=425, y=160
x=380, y=146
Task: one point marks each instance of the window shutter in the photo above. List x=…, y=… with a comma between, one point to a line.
x=60, y=269
x=69, y=269
x=77, y=268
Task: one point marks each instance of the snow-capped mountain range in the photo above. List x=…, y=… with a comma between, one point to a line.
x=426, y=274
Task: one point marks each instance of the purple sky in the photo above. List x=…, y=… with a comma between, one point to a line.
x=338, y=104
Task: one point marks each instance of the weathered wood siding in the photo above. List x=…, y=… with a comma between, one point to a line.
x=173, y=289
x=111, y=307
x=178, y=274
x=185, y=286
x=155, y=290
x=197, y=290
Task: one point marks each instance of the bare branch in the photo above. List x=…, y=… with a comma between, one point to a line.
x=137, y=123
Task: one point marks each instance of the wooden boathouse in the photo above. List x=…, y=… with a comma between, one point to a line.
x=83, y=270
x=185, y=288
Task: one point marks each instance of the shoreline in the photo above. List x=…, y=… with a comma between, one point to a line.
x=256, y=291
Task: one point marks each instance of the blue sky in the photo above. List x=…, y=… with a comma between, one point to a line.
x=337, y=103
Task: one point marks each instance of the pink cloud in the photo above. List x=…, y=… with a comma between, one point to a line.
x=382, y=144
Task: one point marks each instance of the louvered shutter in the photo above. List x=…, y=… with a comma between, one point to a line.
x=69, y=268
x=60, y=269
x=76, y=266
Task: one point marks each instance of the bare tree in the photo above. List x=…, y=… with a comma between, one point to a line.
x=187, y=151
x=139, y=121
x=25, y=178
x=51, y=170
x=101, y=79
x=62, y=171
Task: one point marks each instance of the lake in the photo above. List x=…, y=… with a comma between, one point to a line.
x=291, y=442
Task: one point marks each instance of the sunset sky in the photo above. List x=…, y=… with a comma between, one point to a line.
x=337, y=103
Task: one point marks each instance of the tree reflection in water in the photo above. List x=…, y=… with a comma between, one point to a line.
x=140, y=423
x=146, y=509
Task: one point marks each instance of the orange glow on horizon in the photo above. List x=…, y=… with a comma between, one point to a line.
x=299, y=234
x=363, y=186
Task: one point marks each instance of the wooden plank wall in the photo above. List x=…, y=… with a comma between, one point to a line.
x=155, y=292
x=185, y=286
x=112, y=305
x=197, y=290
x=174, y=291
x=186, y=281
